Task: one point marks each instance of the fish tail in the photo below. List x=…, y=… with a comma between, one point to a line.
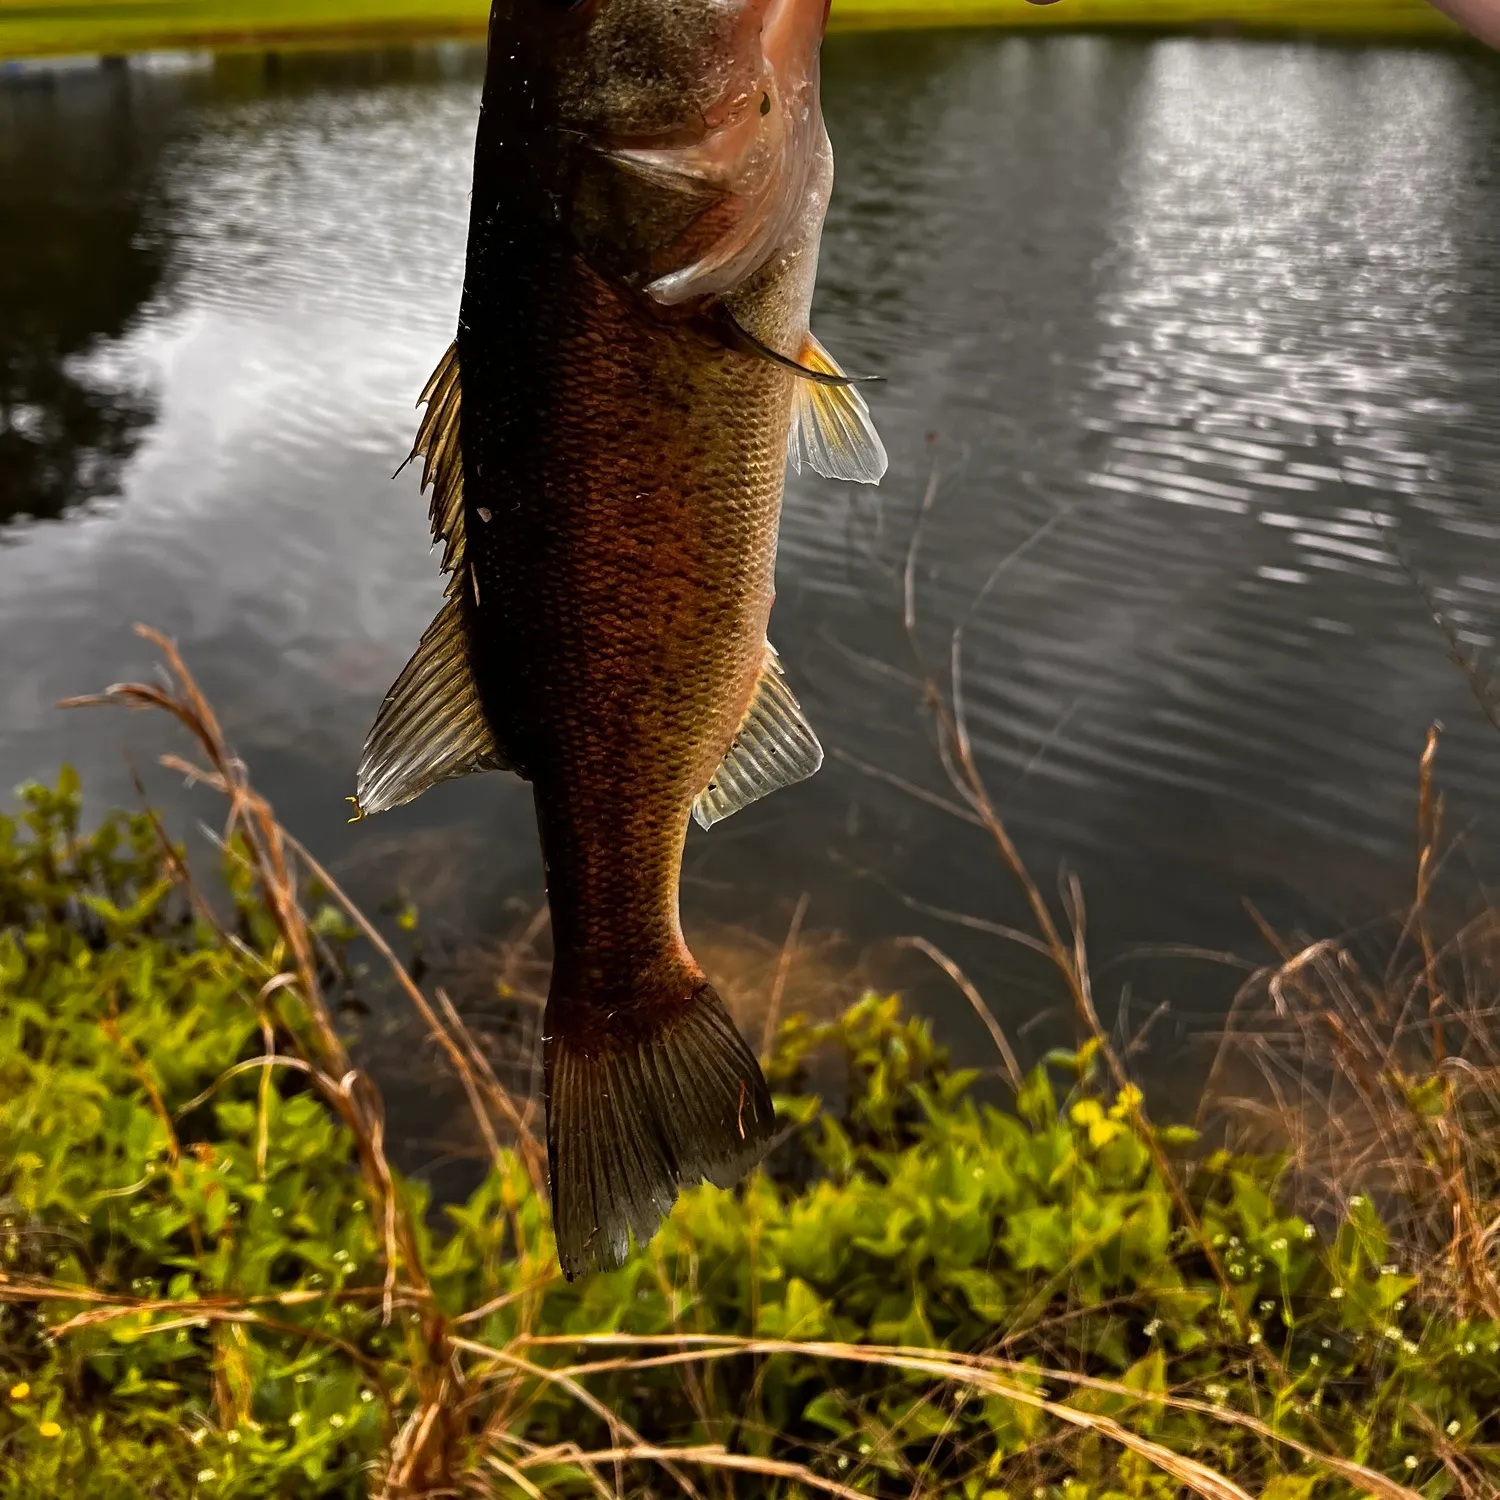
x=641, y=1100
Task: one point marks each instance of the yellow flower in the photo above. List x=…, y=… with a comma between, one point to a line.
x=20, y=1391
x=1087, y=1112
x=49, y=1429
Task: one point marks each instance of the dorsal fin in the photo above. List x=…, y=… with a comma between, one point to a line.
x=774, y=747
x=437, y=445
x=431, y=726
x=832, y=429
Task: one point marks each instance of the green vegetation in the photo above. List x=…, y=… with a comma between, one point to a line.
x=41, y=27
x=1332, y=17
x=212, y=1283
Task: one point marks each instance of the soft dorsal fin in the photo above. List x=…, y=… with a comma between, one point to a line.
x=832, y=430
x=437, y=445
x=774, y=747
x=431, y=726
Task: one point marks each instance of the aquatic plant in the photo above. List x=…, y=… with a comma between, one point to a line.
x=214, y=1284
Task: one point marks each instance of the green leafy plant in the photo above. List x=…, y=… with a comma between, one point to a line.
x=215, y=1285
x=197, y=1296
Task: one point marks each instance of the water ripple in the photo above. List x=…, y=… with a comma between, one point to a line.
x=1203, y=336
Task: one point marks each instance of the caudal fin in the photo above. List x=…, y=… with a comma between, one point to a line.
x=637, y=1108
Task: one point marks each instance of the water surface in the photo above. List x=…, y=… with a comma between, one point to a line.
x=1202, y=338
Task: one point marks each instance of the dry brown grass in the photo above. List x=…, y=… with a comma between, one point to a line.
x=461, y=1431
x=1387, y=1083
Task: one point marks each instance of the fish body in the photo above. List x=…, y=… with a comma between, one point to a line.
x=607, y=442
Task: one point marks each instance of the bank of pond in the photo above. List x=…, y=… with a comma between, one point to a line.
x=215, y=1284
x=56, y=28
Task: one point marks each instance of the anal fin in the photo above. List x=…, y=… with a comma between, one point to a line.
x=832, y=430
x=774, y=747
x=431, y=727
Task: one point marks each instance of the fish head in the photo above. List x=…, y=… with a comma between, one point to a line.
x=699, y=122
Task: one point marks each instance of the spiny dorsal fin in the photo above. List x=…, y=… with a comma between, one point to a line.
x=831, y=425
x=431, y=726
x=443, y=466
x=774, y=747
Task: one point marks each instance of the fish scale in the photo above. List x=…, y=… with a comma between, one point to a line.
x=607, y=444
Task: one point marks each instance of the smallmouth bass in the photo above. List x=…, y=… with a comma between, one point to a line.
x=606, y=444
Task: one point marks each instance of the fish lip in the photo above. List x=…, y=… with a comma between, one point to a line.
x=780, y=37
x=725, y=113
x=678, y=138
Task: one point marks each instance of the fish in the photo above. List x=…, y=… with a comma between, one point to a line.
x=606, y=444
x=1479, y=17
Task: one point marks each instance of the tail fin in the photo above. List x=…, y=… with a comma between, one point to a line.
x=637, y=1108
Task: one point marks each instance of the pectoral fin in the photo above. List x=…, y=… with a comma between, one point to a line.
x=733, y=335
x=431, y=726
x=774, y=747
x=832, y=430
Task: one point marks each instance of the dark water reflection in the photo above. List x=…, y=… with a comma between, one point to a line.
x=1207, y=334
x=78, y=265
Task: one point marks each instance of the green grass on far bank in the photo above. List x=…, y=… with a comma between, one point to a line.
x=34, y=28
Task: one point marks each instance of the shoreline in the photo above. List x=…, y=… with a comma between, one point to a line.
x=108, y=30
x=162, y=1185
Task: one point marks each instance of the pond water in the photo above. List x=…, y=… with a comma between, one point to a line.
x=1202, y=338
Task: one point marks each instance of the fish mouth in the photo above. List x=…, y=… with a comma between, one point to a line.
x=745, y=160
x=781, y=51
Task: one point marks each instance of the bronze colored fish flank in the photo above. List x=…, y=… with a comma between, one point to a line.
x=606, y=445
